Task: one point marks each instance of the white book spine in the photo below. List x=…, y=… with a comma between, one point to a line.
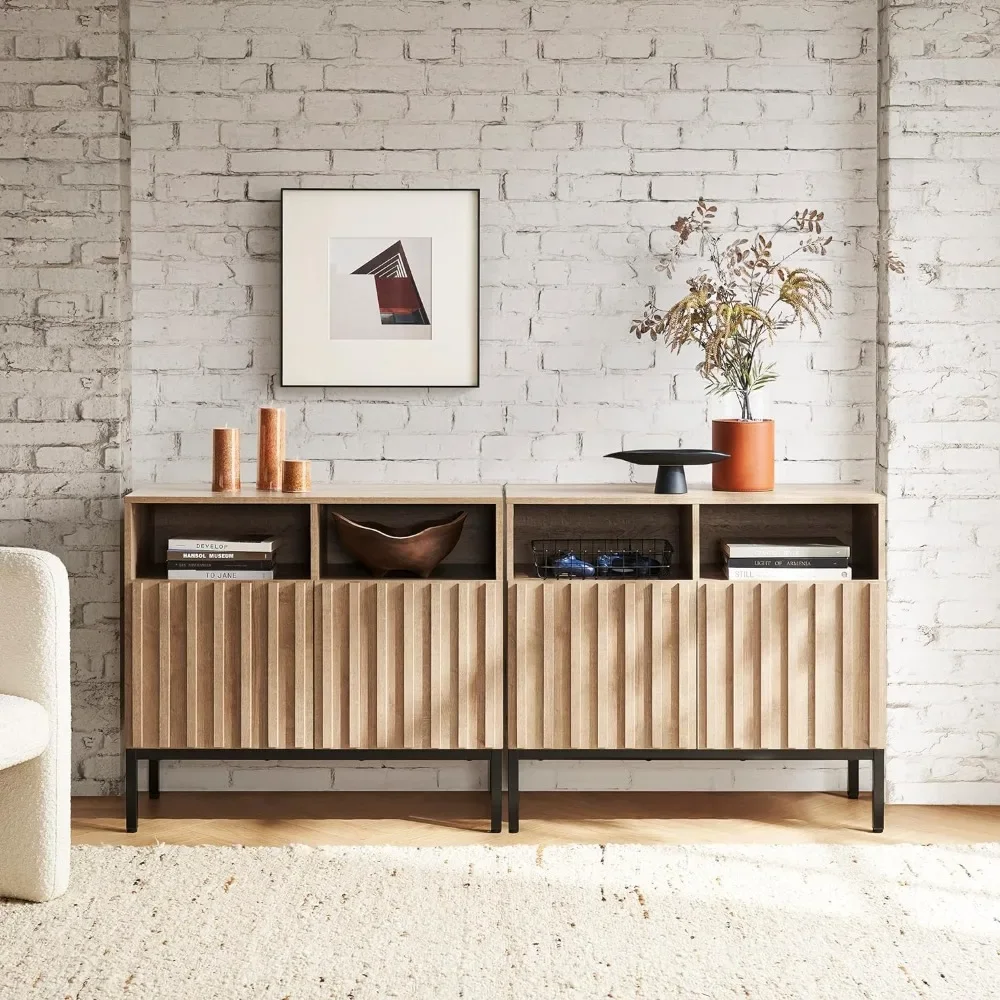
x=752, y=573
x=207, y=545
x=737, y=551
x=220, y=574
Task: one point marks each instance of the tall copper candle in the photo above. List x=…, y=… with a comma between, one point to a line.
x=225, y=459
x=270, y=447
x=296, y=476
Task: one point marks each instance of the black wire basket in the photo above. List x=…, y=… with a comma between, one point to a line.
x=602, y=558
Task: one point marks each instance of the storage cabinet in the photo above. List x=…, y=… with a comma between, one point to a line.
x=695, y=665
x=220, y=665
x=409, y=665
x=602, y=665
x=324, y=661
x=791, y=665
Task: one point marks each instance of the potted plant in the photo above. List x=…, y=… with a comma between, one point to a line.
x=732, y=310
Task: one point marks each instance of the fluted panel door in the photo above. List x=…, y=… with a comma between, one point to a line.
x=602, y=665
x=791, y=665
x=220, y=665
x=409, y=664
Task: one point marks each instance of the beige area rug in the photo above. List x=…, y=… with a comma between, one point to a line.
x=479, y=923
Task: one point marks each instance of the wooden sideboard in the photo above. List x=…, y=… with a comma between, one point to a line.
x=324, y=661
x=696, y=666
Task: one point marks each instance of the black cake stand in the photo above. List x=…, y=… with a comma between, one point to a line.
x=670, y=476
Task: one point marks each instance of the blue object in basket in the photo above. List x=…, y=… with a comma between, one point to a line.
x=567, y=563
x=628, y=564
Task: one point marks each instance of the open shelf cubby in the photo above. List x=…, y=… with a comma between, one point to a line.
x=855, y=525
x=473, y=558
x=157, y=523
x=532, y=522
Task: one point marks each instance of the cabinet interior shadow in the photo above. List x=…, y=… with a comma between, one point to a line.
x=533, y=522
x=473, y=558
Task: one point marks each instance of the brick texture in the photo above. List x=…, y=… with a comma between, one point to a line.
x=939, y=404
x=64, y=313
x=588, y=129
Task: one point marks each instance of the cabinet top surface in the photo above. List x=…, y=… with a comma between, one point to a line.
x=643, y=494
x=364, y=493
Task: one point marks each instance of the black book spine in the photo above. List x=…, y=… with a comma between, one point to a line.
x=187, y=557
x=790, y=562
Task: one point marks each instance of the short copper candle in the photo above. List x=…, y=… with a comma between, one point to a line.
x=225, y=459
x=270, y=447
x=296, y=476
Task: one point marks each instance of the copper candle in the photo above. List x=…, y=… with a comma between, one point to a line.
x=225, y=459
x=296, y=476
x=270, y=447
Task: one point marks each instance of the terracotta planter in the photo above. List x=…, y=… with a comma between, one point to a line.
x=750, y=445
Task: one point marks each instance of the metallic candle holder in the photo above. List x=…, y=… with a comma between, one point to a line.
x=270, y=447
x=296, y=476
x=225, y=459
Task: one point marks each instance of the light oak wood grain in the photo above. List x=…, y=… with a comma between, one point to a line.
x=602, y=493
x=791, y=665
x=601, y=665
x=419, y=819
x=197, y=651
x=409, y=664
x=376, y=494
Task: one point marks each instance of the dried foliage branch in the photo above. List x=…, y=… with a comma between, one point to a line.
x=735, y=307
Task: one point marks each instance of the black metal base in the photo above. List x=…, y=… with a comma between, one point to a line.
x=132, y=758
x=853, y=757
x=670, y=479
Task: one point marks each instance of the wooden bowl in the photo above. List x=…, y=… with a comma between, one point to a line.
x=393, y=550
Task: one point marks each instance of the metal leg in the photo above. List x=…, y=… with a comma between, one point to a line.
x=131, y=791
x=513, y=793
x=878, y=791
x=853, y=786
x=154, y=779
x=496, y=791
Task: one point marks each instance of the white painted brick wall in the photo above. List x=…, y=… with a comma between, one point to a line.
x=939, y=407
x=64, y=308
x=588, y=127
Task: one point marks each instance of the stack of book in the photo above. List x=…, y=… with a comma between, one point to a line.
x=220, y=559
x=787, y=559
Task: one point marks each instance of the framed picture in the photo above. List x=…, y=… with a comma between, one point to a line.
x=379, y=287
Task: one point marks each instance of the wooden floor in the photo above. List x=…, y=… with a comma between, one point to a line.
x=442, y=818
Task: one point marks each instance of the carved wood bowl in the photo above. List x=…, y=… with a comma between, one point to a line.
x=417, y=549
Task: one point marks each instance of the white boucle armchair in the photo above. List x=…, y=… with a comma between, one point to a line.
x=34, y=725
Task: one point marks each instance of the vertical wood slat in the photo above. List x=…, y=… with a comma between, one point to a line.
x=434, y=676
x=411, y=686
x=686, y=665
x=329, y=692
x=192, y=706
x=876, y=666
x=163, y=727
x=439, y=727
x=493, y=674
x=464, y=699
x=246, y=665
x=137, y=736
x=814, y=652
x=302, y=705
x=218, y=664
x=274, y=706
x=356, y=707
x=626, y=629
